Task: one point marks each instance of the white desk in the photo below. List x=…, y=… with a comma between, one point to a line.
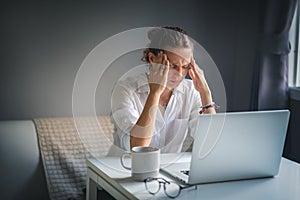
x=108, y=173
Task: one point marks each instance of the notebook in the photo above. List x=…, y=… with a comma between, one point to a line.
x=234, y=146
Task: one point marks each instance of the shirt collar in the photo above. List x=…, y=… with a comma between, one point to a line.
x=180, y=88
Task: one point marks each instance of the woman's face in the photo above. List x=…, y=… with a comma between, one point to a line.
x=180, y=59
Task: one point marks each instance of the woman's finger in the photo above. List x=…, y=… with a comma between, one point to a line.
x=196, y=69
x=194, y=66
x=192, y=73
x=156, y=63
x=166, y=64
x=165, y=60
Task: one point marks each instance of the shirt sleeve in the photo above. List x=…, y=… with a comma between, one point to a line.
x=124, y=114
x=196, y=104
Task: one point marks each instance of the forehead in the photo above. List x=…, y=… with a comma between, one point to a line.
x=180, y=55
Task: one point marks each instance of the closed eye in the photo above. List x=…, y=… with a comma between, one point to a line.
x=185, y=67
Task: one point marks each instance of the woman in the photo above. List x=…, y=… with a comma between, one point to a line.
x=158, y=109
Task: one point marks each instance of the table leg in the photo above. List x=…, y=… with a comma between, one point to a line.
x=91, y=186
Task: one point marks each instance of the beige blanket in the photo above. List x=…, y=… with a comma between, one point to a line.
x=64, y=147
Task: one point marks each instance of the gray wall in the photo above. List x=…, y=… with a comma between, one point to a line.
x=44, y=43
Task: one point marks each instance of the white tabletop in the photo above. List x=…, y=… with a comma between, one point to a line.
x=286, y=185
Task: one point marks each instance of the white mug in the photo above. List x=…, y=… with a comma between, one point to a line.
x=145, y=162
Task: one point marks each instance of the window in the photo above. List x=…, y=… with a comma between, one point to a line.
x=294, y=56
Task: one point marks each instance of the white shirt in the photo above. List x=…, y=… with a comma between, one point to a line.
x=128, y=100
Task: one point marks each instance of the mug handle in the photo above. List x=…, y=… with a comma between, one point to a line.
x=122, y=160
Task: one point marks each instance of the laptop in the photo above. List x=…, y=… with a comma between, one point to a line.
x=234, y=146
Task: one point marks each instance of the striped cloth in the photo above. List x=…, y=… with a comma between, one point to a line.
x=65, y=143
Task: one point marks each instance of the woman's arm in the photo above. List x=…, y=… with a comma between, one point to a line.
x=201, y=86
x=142, y=132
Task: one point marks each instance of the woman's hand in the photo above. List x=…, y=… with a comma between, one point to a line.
x=198, y=78
x=159, y=73
x=201, y=85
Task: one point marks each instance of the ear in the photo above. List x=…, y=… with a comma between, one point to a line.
x=152, y=57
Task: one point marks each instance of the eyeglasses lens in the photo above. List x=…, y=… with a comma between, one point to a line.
x=152, y=186
x=172, y=189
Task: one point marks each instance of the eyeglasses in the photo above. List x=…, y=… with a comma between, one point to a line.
x=171, y=189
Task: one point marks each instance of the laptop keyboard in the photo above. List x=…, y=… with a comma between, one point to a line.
x=186, y=172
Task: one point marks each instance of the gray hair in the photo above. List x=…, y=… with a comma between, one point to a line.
x=163, y=37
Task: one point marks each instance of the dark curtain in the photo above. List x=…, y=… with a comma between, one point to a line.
x=270, y=78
